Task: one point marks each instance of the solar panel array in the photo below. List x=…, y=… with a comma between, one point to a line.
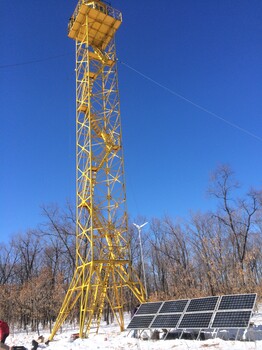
x=227, y=311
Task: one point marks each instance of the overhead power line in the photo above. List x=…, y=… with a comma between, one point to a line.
x=192, y=103
x=215, y=115
x=32, y=61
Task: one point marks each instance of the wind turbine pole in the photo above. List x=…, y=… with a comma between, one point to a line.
x=139, y=227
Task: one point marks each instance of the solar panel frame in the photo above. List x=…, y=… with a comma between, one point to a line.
x=236, y=319
x=149, y=308
x=166, y=321
x=203, y=304
x=173, y=306
x=237, y=302
x=196, y=320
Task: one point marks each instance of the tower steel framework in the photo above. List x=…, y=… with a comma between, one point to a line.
x=103, y=266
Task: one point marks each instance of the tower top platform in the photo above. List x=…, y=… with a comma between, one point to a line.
x=103, y=21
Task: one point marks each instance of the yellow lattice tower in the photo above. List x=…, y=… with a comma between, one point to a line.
x=103, y=265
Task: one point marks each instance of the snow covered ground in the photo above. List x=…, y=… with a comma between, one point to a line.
x=110, y=337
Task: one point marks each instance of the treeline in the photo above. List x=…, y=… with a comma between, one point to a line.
x=218, y=252
x=35, y=270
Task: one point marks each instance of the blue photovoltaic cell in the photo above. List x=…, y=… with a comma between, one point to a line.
x=202, y=304
x=166, y=321
x=231, y=319
x=237, y=302
x=141, y=322
x=173, y=306
x=196, y=320
x=149, y=308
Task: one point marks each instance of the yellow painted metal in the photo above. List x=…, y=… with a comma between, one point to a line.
x=103, y=266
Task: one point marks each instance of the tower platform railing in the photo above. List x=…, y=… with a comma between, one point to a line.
x=102, y=7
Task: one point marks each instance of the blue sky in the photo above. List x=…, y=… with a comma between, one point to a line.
x=210, y=52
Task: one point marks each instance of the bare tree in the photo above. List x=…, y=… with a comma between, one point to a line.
x=211, y=254
x=28, y=249
x=171, y=261
x=58, y=231
x=236, y=215
x=8, y=260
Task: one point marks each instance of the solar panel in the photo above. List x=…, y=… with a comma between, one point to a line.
x=149, y=308
x=197, y=320
x=236, y=302
x=141, y=322
x=173, y=306
x=166, y=321
x=232, y=319
x=202, y=304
